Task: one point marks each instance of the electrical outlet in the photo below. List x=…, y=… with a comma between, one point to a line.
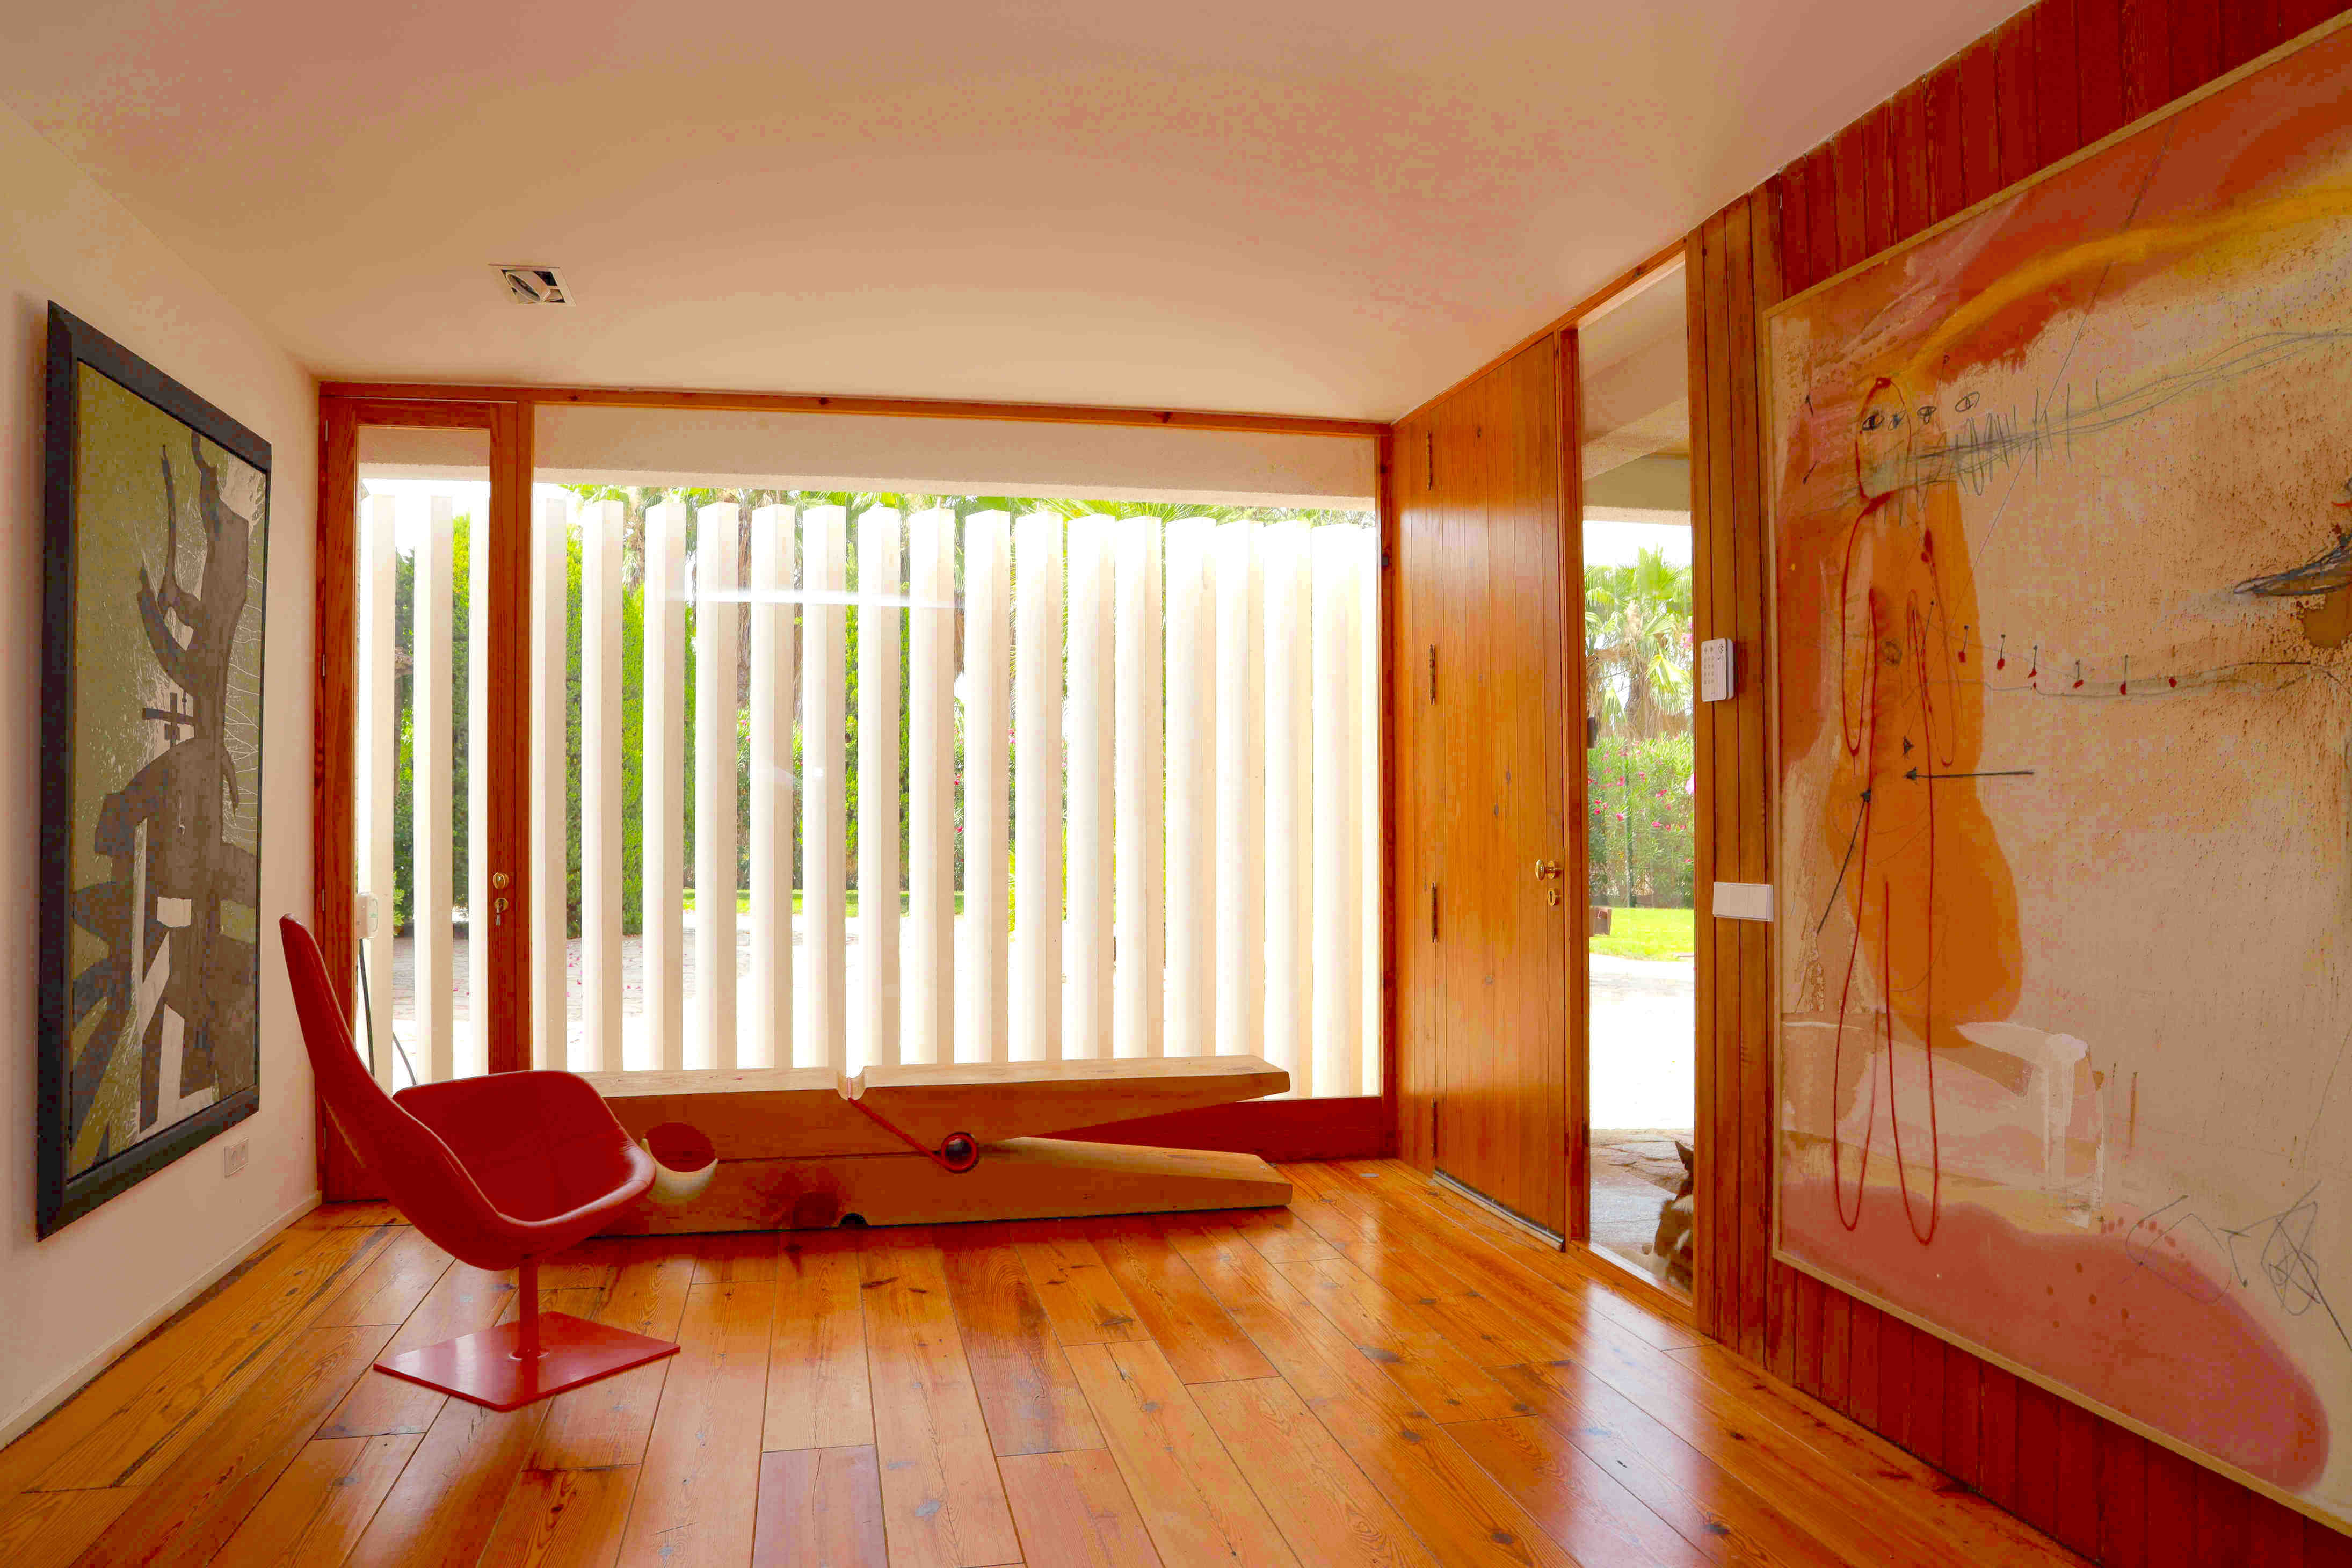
x=233, y=1157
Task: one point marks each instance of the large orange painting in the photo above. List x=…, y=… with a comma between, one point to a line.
x=2063, y=522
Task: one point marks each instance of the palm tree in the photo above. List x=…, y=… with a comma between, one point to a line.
x=1637, y=644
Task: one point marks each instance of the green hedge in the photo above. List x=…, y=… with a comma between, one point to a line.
x=1641, y=822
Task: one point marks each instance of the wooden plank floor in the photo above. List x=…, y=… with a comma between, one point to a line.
x=1382, y=1374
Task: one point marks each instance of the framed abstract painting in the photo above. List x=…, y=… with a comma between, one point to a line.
x=2062, y=608
x=157, y=510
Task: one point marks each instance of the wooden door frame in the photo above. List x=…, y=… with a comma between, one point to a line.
x=1352, y=1128
x=1575, y=789
x=334, y=717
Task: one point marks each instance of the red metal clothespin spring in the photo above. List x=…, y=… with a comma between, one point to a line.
x=957, y=1152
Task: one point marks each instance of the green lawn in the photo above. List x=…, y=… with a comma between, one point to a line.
x=1648, y=933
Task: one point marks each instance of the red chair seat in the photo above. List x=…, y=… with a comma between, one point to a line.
x=499, y=1170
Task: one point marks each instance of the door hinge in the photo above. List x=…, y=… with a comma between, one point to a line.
x=1429, y=463
x=1433, y=912
x=1433, y=672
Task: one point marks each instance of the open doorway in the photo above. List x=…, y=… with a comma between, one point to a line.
x=1633, y=366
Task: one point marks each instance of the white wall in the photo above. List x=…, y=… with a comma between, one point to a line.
x=69, y=1303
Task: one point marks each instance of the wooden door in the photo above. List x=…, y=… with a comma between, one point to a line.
x=1486, y=796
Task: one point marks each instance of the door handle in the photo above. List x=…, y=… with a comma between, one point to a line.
x=1547, y=868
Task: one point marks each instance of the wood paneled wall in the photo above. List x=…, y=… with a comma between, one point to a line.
x=2051, y=80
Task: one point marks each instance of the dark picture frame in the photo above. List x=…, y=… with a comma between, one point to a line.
x=170, y=826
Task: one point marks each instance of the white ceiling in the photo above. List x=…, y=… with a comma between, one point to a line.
x=1310, y=206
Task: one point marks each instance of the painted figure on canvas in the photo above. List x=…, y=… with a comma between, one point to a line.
x=167, y=984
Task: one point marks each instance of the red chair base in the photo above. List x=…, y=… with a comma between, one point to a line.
x=488, y=1369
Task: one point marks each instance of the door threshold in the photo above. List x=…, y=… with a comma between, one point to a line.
x=1552, y=1237
x=1630, y=1278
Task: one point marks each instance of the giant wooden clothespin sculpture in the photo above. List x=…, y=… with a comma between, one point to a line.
x=798, y=1148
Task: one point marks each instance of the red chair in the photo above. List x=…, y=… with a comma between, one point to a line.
x=499, y=1171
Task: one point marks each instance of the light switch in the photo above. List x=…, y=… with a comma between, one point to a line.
x=1743, y=901
x=1717, y=671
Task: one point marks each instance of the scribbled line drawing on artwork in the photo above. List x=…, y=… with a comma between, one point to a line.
x=1989, y=443
x=2287, y=1261
x=171, y=976
x=2284, y=1255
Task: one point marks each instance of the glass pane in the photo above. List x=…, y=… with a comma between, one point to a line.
x=1638, y=692
x=421, y=777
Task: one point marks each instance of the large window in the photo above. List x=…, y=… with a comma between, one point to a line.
x=829, y=777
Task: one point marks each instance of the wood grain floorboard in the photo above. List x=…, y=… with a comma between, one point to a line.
x=1705, y=1504
x=943, y=1504
x=1201, y=1342
x=1460, y=1513
x=1086, y=1304
x=1326, y=1507
x=196, y=1502
x=1074, y=1510
x=820, y=1508
x=449, y=1495
x=1380, y=1374
x=1190, y=1491
x=1027, y=1391
x=389, y=1289
x=1406, y=1338
x=144, y=1435
x=49, y=1530
x=702, y=1460
x=465, y=1301
x=818, y=1396
x=561, y=1519
x=607, y=1423
x=320, y=1504
x=1311, y=1352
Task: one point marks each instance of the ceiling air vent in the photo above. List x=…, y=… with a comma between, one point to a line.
x=535, y=286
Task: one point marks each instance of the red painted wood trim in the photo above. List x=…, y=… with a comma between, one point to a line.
x=1796, y=220
x=1948, y=174
x=1930, y=1356
x=2195, y=43
x=1963, y=1416
x=2147, y=55
x=1914, y=190
x=1981, y=118
x=2018, y=131
x=2122, y=1498
x=1997, y=1436
x=2057, y=81
x=1862, y=1363
x=1351, y=1129
x=1822, y=230
x=1877, y=171
x=2247, y=28
x=2077, y=1478
x=2099, y=56
x=1850, y=158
